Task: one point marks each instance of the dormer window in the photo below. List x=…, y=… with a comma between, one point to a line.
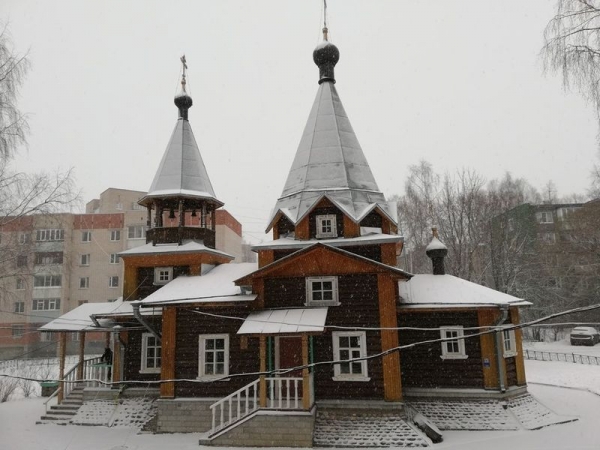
x=322, y=291
x=326, y=226
x=162, y=275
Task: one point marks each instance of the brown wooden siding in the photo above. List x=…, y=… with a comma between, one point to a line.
x=278, y=254
x=511, y=371
x=372, y=252
x=373, y=220
x=422, y=365
x=145, y=279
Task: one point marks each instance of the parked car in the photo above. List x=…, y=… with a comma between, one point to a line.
x=584, y=336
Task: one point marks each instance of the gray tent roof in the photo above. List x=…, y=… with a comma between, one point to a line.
x=181, y=172
x=330, y=163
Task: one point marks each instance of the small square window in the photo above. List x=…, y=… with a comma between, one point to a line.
x=509, y=342
x=162, y=275
x=86, y=236
x=326, y=226
x=349, y=346
x=113, y=282
x=21, y=260
x=453, y=345
x=19, y=307
x=115, y=258
x=85, y=260
x=84, y=283
x=20, y=284
x=23, y=238
x=115, y=235
x=18, y=331
x=322, y=291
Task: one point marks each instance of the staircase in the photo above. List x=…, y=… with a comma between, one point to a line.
x=63, y=413
x=345, y=427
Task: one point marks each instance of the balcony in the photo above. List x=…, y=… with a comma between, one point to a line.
x=171, y=235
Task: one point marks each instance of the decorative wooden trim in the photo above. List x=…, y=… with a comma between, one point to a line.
x=262, y=385
x=168, y=342
x=305, y=374
x=519, y=358
x=62, y=350
x=392, y=380
x=487, y=317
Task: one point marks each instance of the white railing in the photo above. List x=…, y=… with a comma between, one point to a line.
x=95, y=372
x=283, y=393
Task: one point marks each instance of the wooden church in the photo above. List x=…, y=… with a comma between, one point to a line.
x=250, y=353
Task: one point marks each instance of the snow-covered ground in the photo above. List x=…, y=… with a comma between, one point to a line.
x=568, y=389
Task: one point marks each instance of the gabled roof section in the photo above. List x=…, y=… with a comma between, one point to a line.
x=181, y=172
x=329, y=162
x=322, y=259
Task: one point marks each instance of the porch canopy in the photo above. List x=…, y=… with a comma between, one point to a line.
x=285, y=321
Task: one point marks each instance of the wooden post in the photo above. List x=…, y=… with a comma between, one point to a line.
x=487, y=317
x=520, y=358
x=392, y=380
x=169, y=336
x=81, y=355
x=62, y=350
x=107, y=339
x=262, y=386
x=305, y=375
x=116, y=362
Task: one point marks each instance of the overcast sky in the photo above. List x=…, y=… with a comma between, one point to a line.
x=456, y=82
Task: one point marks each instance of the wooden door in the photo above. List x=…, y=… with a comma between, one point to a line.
x=290, y=355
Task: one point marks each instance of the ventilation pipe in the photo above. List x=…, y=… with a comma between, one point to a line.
x=499, y=348
x=138, y=315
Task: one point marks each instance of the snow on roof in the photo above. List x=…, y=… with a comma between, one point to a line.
x=215, y=286
x=449, y=291
x=278, y=321
x=188, y=246
x=292, y=243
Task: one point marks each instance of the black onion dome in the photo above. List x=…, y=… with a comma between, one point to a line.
x=326, y=56
x=184, y=102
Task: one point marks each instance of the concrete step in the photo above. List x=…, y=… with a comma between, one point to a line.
x=63, y=407
x=53, y=418
x=61, y=412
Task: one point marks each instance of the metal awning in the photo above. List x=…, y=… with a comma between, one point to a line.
x=285, y=321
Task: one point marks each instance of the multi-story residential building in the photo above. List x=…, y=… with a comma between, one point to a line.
x=51, y=264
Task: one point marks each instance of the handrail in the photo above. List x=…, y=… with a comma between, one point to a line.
x=283, y=393
x=540, y=355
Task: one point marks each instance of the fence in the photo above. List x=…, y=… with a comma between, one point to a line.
x=18, y=363
x=538, y=355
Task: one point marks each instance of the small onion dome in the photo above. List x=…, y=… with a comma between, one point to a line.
x=184, y=102
x=326, y=56
x=437, y=251
x=437, y=246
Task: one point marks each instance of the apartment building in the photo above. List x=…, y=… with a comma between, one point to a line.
x=51, y=264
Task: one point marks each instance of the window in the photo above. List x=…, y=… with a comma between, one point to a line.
x=18, y=331
x=549, y=238
x=46, y=336
x=84, y=283
x=86, y=236
x=20, y=284
x=50, y=235
x=114, y=258
x=85, y=260
x=322, y=291
x=119, y=207
x=326, y=226
x=46, y=304
x=137, y=206
x=113, y=282
x=511, y=224
x=151, y=353
x=115, y=235
x=23, y=238
x=19, y=307
x=41, y=281
x=43, y=258
x=510, y=342
x=21, y=260
x=136, y=232
x=213, y=356
x=347, y=346
x=162, y=275
x=545, y=217
x=454, y=347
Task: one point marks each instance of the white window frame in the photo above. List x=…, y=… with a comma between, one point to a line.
x=46, y=336
x=362, y=349
x=509, y=345
x=319, y=224
x=545, y=217
x=19, y=307
x=157, y=348
x=84, y=259
x=23, y=238
x=45, y=304
x=113, y=281
x=84, y=283
x=86, y=236
x=49, y=281
x=455, y=336
x=18, y=331
x=162, y=275
x=310, y=301
x=114, y=258
x=20, y=284
x=115, y=235
x=136, y=232
x=202, y=356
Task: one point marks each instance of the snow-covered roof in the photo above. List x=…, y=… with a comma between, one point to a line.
x=291, y=243
x=187, y=246
x=330, y=163
x=424, y=290
x=282, y=321
x=181, y=170
x=80, y=318
x=436, y=244
x=217, y=285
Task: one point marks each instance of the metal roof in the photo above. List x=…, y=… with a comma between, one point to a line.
x=329, y=163
x=181, y=172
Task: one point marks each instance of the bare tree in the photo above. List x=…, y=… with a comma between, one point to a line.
x=13, y=124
